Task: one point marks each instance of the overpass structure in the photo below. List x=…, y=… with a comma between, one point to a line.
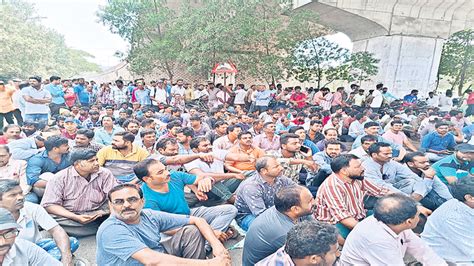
x=406, y=35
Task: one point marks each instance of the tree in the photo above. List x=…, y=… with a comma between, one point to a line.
x=255, y=35
x=362, y=66
x=457, y=59
x=30, y=48
x=148, y=26
x=319, y=59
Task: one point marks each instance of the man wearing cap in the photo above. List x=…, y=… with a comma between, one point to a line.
x=31, y=217
x=457, y=165
x=15, y=251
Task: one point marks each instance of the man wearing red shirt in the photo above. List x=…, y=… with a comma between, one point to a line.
x=298, y=98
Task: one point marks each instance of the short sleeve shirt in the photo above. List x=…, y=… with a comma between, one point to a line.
x=36, y=108
x=217, y=166
x=118, y=241
x=32, y=216
x=173, y=201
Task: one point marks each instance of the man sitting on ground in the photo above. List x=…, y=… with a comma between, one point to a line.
x=448, y=230
x=31, y=217
x=384, y=171
x=16, y=251
x=121, y=156
x=307, y=243
x=131, y=235
x=256, y=193
x=386, y=236
x=261, y=240
x=44, y=165
x=85, y=140
x=340, y=198
x=76, y=196
x=324, y=159
x=363, y=151
x=439, y=143
x=226, y=183
x=456, y=166
x=164, y=191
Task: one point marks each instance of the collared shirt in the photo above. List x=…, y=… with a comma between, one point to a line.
x=337, y=199
x=143, y=96
x=121, y=166
x=451, y=166
x=397, y=177
x=119, y=95
x=103, y=137
x=24, y=252
x=252, y=152
x=255, y=195
x=448, y=232
x=280, y=127
x=89, y=124
x=82, y=94
x=217, y=166
x=397, y=138
x=41, y=163
x=356, y=129
x=261, y=141
x=280, y=257
x=36, y=108
x=92, y=146
x=291, y=171
x=323, y=160
x=223, y=143
x=16, y=170
x=361, y=153
x=262, y=240
x=56, y=92
x=435, y=141
x=32, y=216
x=23, y=149
x=262, y=98
x=73, y=192
x=337, y=100
x=372, y=242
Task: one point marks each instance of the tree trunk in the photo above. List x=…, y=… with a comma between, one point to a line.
x=463, y=69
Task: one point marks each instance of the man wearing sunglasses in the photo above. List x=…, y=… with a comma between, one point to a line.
x=15, y=251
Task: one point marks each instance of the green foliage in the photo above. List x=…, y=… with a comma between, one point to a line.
x=323, y=61
x=457, y=59
x=253, y=34
x=148, y=26
x=29, y=48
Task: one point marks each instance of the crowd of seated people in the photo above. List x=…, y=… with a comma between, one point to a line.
x=334, y=180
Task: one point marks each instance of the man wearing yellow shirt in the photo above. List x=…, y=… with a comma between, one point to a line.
x=121, y=156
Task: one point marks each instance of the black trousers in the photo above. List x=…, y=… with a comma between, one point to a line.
x=8, y=116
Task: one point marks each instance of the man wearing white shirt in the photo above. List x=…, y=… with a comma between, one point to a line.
x=178, y=88
x=377, y=97
x=240, y=94
x=432, y=100
x=386, y=236
x=158, y=95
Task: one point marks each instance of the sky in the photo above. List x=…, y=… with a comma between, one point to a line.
x=77, y=21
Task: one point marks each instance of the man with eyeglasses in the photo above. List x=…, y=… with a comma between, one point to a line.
x=15, y=251
x=131, y=235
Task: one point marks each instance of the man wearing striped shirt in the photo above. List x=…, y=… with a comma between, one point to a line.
x=340, y=198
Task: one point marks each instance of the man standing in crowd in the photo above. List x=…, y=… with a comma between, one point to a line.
x=36, y=101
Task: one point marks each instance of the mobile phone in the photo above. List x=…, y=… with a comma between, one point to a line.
x=304, y=149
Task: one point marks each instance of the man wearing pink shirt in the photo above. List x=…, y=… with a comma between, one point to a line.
x=396, y=135
x=337, y=101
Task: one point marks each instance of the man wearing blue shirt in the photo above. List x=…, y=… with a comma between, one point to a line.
x=81, y=92
x=132, y=236
x=57, y=94
x=164, y=191
x=439, y=143
x=54, y=159
x=456, y=166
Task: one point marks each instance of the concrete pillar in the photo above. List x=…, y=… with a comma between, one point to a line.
x=406, y=62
